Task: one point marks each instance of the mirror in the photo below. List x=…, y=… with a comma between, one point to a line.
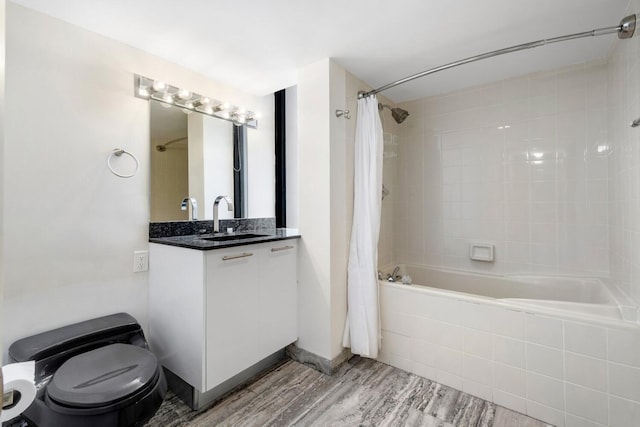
x=197, y=156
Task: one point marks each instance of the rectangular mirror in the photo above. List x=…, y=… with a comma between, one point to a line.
x=197, y=156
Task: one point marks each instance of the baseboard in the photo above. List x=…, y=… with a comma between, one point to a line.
x=319, y=363
x=197, y=400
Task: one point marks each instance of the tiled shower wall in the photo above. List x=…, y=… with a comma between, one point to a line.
x=520, y=164
x=624, y=163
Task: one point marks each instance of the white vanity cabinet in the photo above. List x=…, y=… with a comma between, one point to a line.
x=215, y=313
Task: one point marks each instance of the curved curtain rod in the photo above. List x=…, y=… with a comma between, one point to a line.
x=625, y=30
x=174, y=140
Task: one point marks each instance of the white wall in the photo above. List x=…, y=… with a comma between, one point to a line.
x=314, y=201
x=624, y=162
x=69, y=225
x=537, y=190
x=341, y=203
x=291, y=106
x=3, y=6
x=325, y=193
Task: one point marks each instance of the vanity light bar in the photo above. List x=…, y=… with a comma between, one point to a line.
x=146, y=88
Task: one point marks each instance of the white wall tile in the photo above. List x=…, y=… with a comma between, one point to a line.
x=545, y=360
x=623, y=413
x=396, y=345
x=478, y=343
x=450, y=380
x=585, y=339
x=544, y=330
x=451, y=336
x=449, y=360
x=421, y=351
x=400, y=362
x=545, y=413
x=507, y=322
x=510, y=401
x=624, y=381
x=509, y=351
x=483, y=165
x=475, y=316
x=586, y=371
x=510, y=379
x=587, y=403
x=545, y=390
x=477, y=369
x=397, y=322
x=425, y=329
x=624, y=346
x=575, y=421
x=480, y=390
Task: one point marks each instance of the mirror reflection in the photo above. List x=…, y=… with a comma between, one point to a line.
x=198, y=157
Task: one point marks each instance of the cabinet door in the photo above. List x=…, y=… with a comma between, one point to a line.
x=176, y=311
x=232, y=327
x=277, y=291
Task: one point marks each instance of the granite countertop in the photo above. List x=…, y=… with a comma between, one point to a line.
x=198, y=241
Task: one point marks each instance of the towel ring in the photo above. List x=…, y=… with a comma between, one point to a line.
x=119, y=152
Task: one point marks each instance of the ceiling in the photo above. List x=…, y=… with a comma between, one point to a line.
x=258, y=45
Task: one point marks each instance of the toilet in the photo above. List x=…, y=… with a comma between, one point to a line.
x=97, y=373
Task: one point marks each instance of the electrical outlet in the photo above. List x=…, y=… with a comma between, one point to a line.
x=140, y=261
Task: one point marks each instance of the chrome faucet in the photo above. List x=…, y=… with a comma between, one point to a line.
x=216, y=222
x=393, y=277
x=194, y=207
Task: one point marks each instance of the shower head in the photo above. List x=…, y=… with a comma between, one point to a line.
x=163, y=147
x=398, y=114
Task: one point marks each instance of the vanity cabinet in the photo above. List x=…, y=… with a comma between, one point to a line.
x=213, y=314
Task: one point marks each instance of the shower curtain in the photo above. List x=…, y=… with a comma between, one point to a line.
x=362, y=330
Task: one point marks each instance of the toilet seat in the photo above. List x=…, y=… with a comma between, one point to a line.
x=104, y=377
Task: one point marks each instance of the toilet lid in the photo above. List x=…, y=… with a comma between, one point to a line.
x=103, y=376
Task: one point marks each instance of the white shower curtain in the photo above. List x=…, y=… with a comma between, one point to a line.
x=362, y=330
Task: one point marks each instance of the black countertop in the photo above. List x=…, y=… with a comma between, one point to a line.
x=198, y=241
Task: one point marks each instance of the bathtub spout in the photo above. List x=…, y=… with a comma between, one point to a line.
x=393, y=277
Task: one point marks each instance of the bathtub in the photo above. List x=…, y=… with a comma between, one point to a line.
x=562, y=350
x=568, y=295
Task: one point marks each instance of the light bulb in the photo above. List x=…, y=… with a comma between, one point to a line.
x=242, y=111
x=143, y=91
x=159, y=86
x=225, y=114
x=208, y=109
x=241, y=119
x=184, y=94
x=168, y=99
x=189, y=105
x=226, y=106
x=204, y=100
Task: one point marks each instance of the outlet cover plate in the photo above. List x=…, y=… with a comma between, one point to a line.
x=140, y=261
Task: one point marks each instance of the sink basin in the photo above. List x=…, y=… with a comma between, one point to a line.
x=227, y=237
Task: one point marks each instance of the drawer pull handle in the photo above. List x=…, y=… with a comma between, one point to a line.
x=282, y=248
x=244, y=255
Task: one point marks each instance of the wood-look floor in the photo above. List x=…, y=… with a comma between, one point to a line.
x=363, y=393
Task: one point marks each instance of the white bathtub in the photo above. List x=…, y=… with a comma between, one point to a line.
x=562, y=350
x=586, y=296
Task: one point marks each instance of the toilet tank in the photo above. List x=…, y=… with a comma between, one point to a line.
x=52, y=348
